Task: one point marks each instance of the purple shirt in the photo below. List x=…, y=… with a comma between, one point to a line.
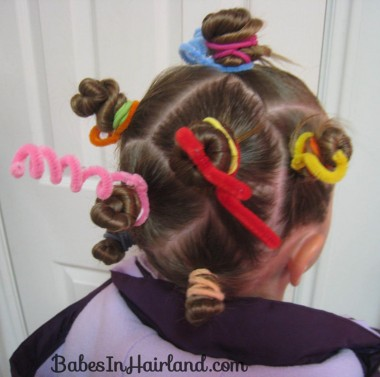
x=135, y=323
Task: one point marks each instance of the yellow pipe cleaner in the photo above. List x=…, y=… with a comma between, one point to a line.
x=309, y=160
x=233, y=148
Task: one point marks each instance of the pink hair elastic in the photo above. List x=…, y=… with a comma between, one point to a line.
x=78, y=174
x=232, y=48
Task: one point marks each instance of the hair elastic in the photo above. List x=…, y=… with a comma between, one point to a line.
x=122, y=119
x=231, y=143
x=311, y=161
x=227, y=49
x=195, y=51
x=121, y=114
x=79, y=175
x=200, y=285
x=229, y=190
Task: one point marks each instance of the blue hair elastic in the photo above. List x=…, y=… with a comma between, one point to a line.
x=195, y=52
x=123, y=238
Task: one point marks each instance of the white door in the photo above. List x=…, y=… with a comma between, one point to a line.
x=47, y=47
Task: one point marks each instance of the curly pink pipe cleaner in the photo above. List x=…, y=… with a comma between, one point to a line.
x=38, y=155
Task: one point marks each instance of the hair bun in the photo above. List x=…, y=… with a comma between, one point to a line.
x=231, y=26
x=102, y=98
x=108, y=251
x=119, y=212
x=331, y=140
x=204, y=297
x=216, y=148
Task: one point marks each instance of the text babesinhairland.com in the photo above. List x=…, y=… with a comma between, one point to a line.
x=137, y=364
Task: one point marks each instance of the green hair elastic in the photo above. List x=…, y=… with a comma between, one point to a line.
x=121, y=114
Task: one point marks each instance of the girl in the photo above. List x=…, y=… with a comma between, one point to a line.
x=240, y=161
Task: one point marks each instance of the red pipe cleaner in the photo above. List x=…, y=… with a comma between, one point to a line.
x=229, y=190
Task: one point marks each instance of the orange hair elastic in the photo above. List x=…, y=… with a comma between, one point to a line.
x=202, y=286
x=114, y=136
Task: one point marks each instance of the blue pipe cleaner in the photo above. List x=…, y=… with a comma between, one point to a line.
x=195, y=52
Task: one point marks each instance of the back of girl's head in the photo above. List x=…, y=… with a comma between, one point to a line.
x=263, y=110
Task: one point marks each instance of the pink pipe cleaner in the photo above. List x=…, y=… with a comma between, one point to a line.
x=38, y=155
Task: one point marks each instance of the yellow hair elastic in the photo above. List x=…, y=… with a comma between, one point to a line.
x=233, y=148
x=309, y=160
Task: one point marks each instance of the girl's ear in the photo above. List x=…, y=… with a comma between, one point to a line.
x=307, y=249
x=305, y=255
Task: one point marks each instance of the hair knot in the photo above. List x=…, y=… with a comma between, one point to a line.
x=204, y=297
x=203, y=283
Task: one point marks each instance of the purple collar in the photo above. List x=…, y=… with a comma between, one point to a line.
x=254, y=331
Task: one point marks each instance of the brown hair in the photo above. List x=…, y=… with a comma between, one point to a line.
x=263, y=109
